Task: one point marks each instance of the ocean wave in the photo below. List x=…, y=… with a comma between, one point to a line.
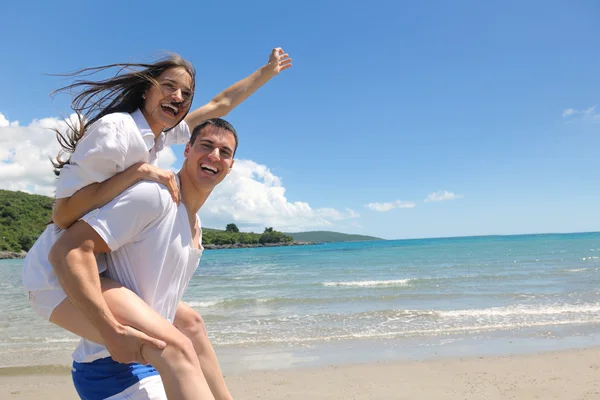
x=398, y=323
x=243, y=302
x=34, y=339
x=392, y=282
x=575, y=269
x=523, y=310
x=203, y=304
x=334, y=299
x=518, y=313
x=295, y=339
x=62, y=340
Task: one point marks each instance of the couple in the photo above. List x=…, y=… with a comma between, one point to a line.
x=116, y=276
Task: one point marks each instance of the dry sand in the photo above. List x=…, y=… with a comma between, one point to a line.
x=567, y=375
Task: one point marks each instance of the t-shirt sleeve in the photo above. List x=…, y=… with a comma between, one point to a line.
x=99, y=154
x=129, y=214
x=180, y=134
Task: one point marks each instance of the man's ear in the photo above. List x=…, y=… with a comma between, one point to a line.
x=187, y=150
x=230, y=167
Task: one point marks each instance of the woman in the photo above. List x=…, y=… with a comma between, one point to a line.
x=124, y=123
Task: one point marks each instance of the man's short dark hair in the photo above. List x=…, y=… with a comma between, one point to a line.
x=216, y=122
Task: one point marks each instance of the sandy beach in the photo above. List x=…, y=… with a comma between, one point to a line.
x=566, y=375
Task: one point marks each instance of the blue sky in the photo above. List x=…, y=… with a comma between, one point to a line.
x=386, y=103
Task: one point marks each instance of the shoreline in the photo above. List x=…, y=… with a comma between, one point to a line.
x=239, y=359
x=14, y=255
x=562, y=375
x=254, y=245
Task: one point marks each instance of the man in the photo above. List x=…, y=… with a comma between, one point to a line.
x=154, y=254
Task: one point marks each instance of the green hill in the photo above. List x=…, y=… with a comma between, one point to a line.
x=23, y=218
x=327, y=236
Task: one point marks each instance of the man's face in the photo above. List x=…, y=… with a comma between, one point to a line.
x=210, y=158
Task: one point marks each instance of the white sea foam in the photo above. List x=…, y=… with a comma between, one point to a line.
x=203, y=304
x=522, y=310
x=393, y=282
x=61, y=340
x=289, y=338
x=34, y=339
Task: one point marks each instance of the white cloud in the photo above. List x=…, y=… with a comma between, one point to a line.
x=254, y=198
x=4, y=122
x=383, y=207
x=166, y=159
x=25, y=153
x=587, y=113
x=442, y=195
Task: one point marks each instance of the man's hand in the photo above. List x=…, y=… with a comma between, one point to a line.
x=125, y=344
x=279, y=60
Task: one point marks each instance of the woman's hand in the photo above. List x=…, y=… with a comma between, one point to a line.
x=149, y=172
x=279, y=60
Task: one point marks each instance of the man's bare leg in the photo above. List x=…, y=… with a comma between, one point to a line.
x=190, y=323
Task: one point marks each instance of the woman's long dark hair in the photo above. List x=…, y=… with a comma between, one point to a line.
x=122, y=93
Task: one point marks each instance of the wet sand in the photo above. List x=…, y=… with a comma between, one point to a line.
x=566, y=375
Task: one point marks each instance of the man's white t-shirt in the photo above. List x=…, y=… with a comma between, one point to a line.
x=110, y=145
x=152, y=251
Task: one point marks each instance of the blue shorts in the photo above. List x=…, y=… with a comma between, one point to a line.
x=106, y=378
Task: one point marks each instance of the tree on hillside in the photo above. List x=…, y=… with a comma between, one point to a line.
x=272, y=236
x=232, y=228
x=23, y=217
x=224, y=238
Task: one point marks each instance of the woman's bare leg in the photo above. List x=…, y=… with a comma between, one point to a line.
x=177, y=363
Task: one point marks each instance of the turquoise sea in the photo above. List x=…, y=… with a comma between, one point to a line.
x=366, y=301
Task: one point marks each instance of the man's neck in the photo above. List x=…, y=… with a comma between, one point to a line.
x=192, y=197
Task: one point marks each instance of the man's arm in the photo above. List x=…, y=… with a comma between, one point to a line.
x=73, y=257
x=231, y=97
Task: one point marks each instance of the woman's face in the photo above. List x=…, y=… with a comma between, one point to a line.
x=167, y=103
